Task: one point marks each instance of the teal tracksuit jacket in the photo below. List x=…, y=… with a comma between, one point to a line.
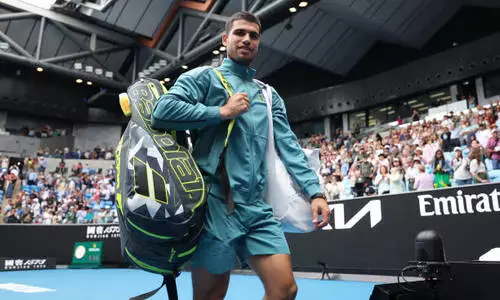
x=194, y=102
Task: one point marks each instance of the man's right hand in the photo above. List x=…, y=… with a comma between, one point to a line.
x=237, y=104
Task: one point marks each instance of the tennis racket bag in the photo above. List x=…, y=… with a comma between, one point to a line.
x=160, y=191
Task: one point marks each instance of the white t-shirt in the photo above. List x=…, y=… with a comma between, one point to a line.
x=483, y=137
x=476, y=167
x=108, y=155
x=461, y=169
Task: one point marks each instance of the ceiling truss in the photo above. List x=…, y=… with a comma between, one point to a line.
x=188, y=49
x=55, y=64
x=187, y=52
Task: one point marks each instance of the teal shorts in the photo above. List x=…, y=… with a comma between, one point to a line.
x=250, y=230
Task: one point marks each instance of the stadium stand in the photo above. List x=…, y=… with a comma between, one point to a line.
x=76, y=196
x=452, y=150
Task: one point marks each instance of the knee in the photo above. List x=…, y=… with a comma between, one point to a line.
x=214, y=293
x=284, y=291
x=292, y=291
x=219, y=292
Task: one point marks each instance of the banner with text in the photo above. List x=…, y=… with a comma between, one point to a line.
x=24, y=264
x=376, y=234
x=34, y=242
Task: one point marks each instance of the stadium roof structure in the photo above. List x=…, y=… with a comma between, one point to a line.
x=111, y=42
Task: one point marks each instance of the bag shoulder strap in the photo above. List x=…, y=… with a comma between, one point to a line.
x=229, y=90
x=266, y=90
x=169, y=283
x=224, y=177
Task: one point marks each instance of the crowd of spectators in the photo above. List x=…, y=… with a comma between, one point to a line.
x=79, y=197
x=458, y=149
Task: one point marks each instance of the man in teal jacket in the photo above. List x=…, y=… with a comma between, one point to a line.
x=199, y=102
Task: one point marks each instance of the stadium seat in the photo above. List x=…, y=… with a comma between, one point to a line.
x=494, y=175
x=489, y=164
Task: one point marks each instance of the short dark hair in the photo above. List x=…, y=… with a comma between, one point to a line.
x=242, y=15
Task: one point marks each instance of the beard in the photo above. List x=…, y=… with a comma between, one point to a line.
x=242, y=60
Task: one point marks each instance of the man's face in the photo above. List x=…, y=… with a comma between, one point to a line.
x=242, y=42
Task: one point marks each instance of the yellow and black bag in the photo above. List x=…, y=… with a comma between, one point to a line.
x=160, y=192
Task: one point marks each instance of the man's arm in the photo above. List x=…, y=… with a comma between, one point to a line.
x=290, y=151
x=183, y=106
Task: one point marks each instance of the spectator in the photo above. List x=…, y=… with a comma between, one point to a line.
x=12, y=217
x=461, y=167
x=412, y=172
x=334, y=188
x=382, y=181
x=366, y=169
x=483, y=135
x=42, y=164
x=424, y=181
x=57, y=199
x=493, y=149
x=397, y=177
x=415, y=116
x=477, y=167
x=32, y=175
x=62, y=166
x=447, y=144
x=441, y=170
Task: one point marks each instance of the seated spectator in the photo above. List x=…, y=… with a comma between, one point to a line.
x=32, y=176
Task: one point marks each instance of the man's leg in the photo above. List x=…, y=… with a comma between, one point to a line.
x=211, y=265
x=266, y=250
x=207, y=286
x=276, y=274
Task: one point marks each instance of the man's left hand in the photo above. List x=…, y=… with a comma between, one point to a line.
x=320, y=207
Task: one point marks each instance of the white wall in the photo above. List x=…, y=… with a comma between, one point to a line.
x=53, y=163
x=18, y=146
x=88, y=136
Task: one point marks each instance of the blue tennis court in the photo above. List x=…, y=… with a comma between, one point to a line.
x=68, y=284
